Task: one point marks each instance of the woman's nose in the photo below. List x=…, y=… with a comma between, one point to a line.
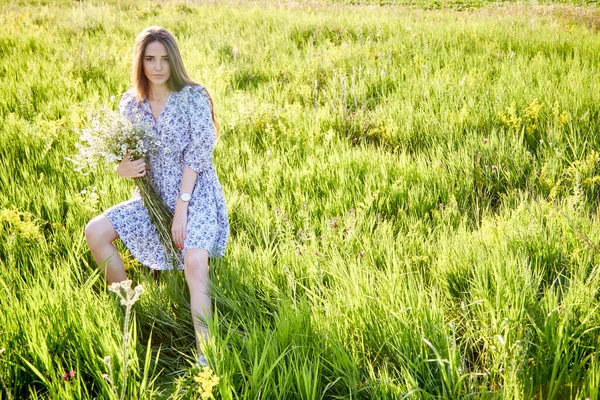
x=158, y=65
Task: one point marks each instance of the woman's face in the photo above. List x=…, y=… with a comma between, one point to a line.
x=156, y=63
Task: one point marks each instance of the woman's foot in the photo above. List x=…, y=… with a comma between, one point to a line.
x=202, y=361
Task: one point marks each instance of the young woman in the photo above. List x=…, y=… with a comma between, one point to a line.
x=179, y=113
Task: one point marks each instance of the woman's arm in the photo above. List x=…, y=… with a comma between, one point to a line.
x=198, y=153
x=188, y=181
x=197, y=156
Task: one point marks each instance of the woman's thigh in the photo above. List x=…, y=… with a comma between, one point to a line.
x=196, y=264
x=99, y=230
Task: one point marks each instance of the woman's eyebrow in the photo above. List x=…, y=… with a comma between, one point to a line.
x=155, y=56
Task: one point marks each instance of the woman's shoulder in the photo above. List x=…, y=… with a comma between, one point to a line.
x=194, y=89
x=129, y=93
x=128, y=97
x=128, y=101
x=196, y=95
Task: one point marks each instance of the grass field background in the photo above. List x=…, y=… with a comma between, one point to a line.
x=413, y=195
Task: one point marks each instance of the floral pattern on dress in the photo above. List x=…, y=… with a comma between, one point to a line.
x=186, y=137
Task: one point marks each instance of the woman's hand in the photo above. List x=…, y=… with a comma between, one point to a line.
x=179, y=225
x=129, y=168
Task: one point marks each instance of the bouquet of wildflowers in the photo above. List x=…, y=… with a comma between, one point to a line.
x=109, y=137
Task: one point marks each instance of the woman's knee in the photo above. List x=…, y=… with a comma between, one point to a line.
x=99, y=231
x=196, y=265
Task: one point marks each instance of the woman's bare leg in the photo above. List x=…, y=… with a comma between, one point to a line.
x=99, y=234
x=196, y=274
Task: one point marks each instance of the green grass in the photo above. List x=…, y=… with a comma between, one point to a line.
x=413, y=197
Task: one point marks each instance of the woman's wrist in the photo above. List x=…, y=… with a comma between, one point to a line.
x=181, y=205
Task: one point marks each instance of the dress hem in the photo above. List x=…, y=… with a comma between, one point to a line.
x=153, y=266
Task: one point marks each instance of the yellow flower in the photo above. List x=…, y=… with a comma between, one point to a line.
x=21, y=224
x=532, y=111
x=206, y=380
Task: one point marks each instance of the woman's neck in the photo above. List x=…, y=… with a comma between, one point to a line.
x=158, y=92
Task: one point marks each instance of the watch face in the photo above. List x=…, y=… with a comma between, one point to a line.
x=185, y=196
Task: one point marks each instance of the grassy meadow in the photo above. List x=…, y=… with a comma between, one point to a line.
x=413, y=193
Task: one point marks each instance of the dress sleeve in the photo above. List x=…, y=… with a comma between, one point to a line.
x=126, y=105
x=198, y=153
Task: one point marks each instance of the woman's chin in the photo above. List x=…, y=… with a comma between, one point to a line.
x=161, y=81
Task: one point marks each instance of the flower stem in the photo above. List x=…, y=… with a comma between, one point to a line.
x=160, y=215
x=124, y=349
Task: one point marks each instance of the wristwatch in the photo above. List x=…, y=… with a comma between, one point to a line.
x=185, y=196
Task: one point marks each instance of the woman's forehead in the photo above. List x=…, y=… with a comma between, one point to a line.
x=156, y=49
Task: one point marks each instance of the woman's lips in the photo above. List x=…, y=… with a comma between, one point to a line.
x=158, y=76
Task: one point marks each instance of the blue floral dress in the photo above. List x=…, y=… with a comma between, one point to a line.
x=186, y=135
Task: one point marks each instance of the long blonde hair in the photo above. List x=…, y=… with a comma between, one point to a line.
x=179, y=77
